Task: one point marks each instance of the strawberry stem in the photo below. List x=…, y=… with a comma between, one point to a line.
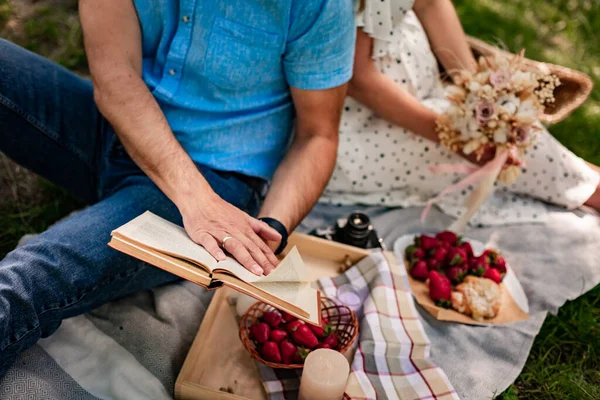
x=443, y=303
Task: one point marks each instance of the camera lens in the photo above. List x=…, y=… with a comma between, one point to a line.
x=359, y=221
x=356, y=231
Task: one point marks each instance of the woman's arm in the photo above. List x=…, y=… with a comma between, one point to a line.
x=445, y=33
x=386, y=98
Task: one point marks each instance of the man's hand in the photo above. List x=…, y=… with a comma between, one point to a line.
x=213, y=219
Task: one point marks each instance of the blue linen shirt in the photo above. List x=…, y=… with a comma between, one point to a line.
x=221, y=71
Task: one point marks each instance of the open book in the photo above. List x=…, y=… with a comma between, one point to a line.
x=166, y=245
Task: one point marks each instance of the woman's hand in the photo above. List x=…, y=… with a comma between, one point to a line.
x=209, y=219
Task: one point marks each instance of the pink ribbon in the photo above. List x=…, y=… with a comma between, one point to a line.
x=476, y=174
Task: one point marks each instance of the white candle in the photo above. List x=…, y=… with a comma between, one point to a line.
x=243, y=304
x=324, y=376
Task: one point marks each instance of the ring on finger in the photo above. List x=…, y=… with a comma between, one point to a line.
x=225, y=239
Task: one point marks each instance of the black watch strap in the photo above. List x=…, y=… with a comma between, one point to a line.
x=278, y=226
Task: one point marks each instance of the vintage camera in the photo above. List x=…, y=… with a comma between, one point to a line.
x=355, y=230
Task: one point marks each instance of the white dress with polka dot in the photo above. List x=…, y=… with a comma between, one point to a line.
x=381, y=163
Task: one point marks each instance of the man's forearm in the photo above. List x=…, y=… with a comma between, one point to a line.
x=112, y=40
x=300, y=179
x=142, y=128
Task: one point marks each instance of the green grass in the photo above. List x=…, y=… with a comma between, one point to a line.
x=6, y=11
x=57, y=33
x=26, y=215
x=565, y=360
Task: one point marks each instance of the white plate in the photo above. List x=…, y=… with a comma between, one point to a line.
x=510, y=279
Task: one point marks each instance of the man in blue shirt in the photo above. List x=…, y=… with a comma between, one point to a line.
x=189, y=115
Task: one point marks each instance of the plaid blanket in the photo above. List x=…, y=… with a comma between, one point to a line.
x=391, y=361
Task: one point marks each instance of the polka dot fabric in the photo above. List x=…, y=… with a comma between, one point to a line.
x=384, y=164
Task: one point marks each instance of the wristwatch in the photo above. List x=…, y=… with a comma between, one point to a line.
x=278, y=226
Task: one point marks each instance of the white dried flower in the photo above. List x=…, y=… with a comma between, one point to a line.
x=482, y=77
x=472, y=130
x=456, y=93
x=509, y=103
x=521, y=79
x=527, y=112
x=500, y=136
x=509, y=174
x=471, y=146
x=474, y=87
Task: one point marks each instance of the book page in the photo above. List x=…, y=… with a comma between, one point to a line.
x=299, y=299
x=301, y=295
x=290, y=269
x=155, y=232
x=235, y=268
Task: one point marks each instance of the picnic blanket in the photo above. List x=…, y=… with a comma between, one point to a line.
x=133, y=348
x=392, y=357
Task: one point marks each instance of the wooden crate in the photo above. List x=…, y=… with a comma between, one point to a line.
x=217, y=365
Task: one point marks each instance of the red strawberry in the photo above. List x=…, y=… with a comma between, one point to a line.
x=478, y=265
x=456, y=256
x=418, y=254
x=277, y=335
x=491, y=255
x=285, y=317
x=440, y=289
x=317, y=330
x=270, y=352
x=288, y=349
x=447, y=236
x=440, y=254
x=445, y=245
x=419, y=270
x=323, y=346
x=500, y=265
x=260, y=332
x=291, y=326
x=493, y=274
x=272, y=318
x=303, y=336
x=332, y=340
x=323, y=330
x=456, y=274
x=427, y=242
x=434, y=264
x=466, y=247
x=300, y=355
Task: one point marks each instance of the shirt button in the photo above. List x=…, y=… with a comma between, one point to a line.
x=172, y=71
x=186, y=19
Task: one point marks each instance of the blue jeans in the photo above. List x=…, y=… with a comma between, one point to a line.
x=49, y=123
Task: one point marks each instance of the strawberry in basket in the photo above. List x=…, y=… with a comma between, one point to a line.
x=281, y=339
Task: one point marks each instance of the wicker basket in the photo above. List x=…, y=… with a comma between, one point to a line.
x=574, y=89
x=342, y=319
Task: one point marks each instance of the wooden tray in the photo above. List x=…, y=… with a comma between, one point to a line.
x=217, y=365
